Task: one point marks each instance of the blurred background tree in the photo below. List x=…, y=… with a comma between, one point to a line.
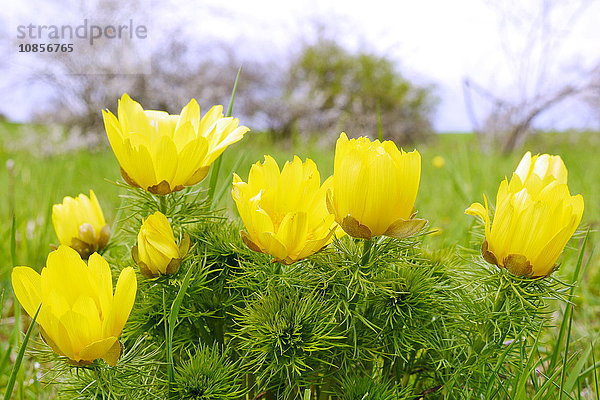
x=533, y=34
x=329, y=89
x=329, y=74
x=317, y=89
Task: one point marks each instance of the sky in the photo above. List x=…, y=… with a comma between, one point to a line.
x=492, y=43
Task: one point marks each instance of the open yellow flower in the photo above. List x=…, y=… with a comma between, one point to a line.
x=79, y=223
x=534, y=219
x=156, y=252
x=80, y=316
x=284, y=212
x=374, y=189
x=164, y=153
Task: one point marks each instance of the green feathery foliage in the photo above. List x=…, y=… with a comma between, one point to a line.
x=285, y=337
x=363, y=388
x=207, y=375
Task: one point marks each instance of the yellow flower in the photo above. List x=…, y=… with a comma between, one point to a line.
x=79, y=223
x=534, y=219
x=284, y=212
x=80, y=316
x=156, y=252
x=163, y=153
x=438, y=161
x=544, y=167
x=374, y=188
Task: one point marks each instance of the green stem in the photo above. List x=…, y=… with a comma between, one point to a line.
x=367, y=245
x=219, y=331
x=168, y=345
x=489, y=327
x=250, y=387
x=162, y=204
x=500, y=299
x=214, y=178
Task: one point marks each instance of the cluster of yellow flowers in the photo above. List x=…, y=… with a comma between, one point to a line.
x=79, y=315
x=288, y=213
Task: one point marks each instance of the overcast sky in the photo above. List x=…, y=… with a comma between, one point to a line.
x=434, y=41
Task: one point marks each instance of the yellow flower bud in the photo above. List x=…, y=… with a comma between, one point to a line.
x=284, y=212
x=79, y=223
x=164, y=153
x=534, y=219
x=80, y=317
x=156, y=252
x=374, y=188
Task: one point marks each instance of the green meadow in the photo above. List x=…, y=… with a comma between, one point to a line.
x=31, y=183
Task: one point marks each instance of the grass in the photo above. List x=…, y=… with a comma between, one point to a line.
x=35, y=183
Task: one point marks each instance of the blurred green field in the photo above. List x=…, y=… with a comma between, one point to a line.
x=443, y=195
x=36, y=182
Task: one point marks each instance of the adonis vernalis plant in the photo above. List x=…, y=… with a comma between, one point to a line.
x=163, y=153
x=321, y=290
x=284, y=212
x=156, y=252
x=534, y=219
x=79, y=223
x=80, y=316
x=374, y=188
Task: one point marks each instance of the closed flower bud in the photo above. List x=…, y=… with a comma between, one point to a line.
x=156, y=252
x=374, y=189
x=284, y=212
x=164, y=153
x=80, y=316
x=534, y=219
x=79, y=223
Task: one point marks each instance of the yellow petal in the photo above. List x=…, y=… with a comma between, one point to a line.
x=115, y=136
x=292, y=233
x=97, y=349
x=59, y=338
x=232, y=137
x=97, y=211
x=165, y=161
x=101, y=275
x=191, y=159
x=209, y=119
x=271, y=245
x=122, y=303
x=190, y=114
x=132, y=117
x=27, y=286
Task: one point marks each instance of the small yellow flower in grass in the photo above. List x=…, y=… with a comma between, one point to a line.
x=80, y=316
x=164, y=153
x=438, y=162
x=79, y=223
x=534, y=219
x=156, y=252
x=374, y=188
x=284, y=212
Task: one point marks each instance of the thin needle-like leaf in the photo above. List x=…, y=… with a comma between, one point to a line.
x=17, y=366
x=214, y=175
